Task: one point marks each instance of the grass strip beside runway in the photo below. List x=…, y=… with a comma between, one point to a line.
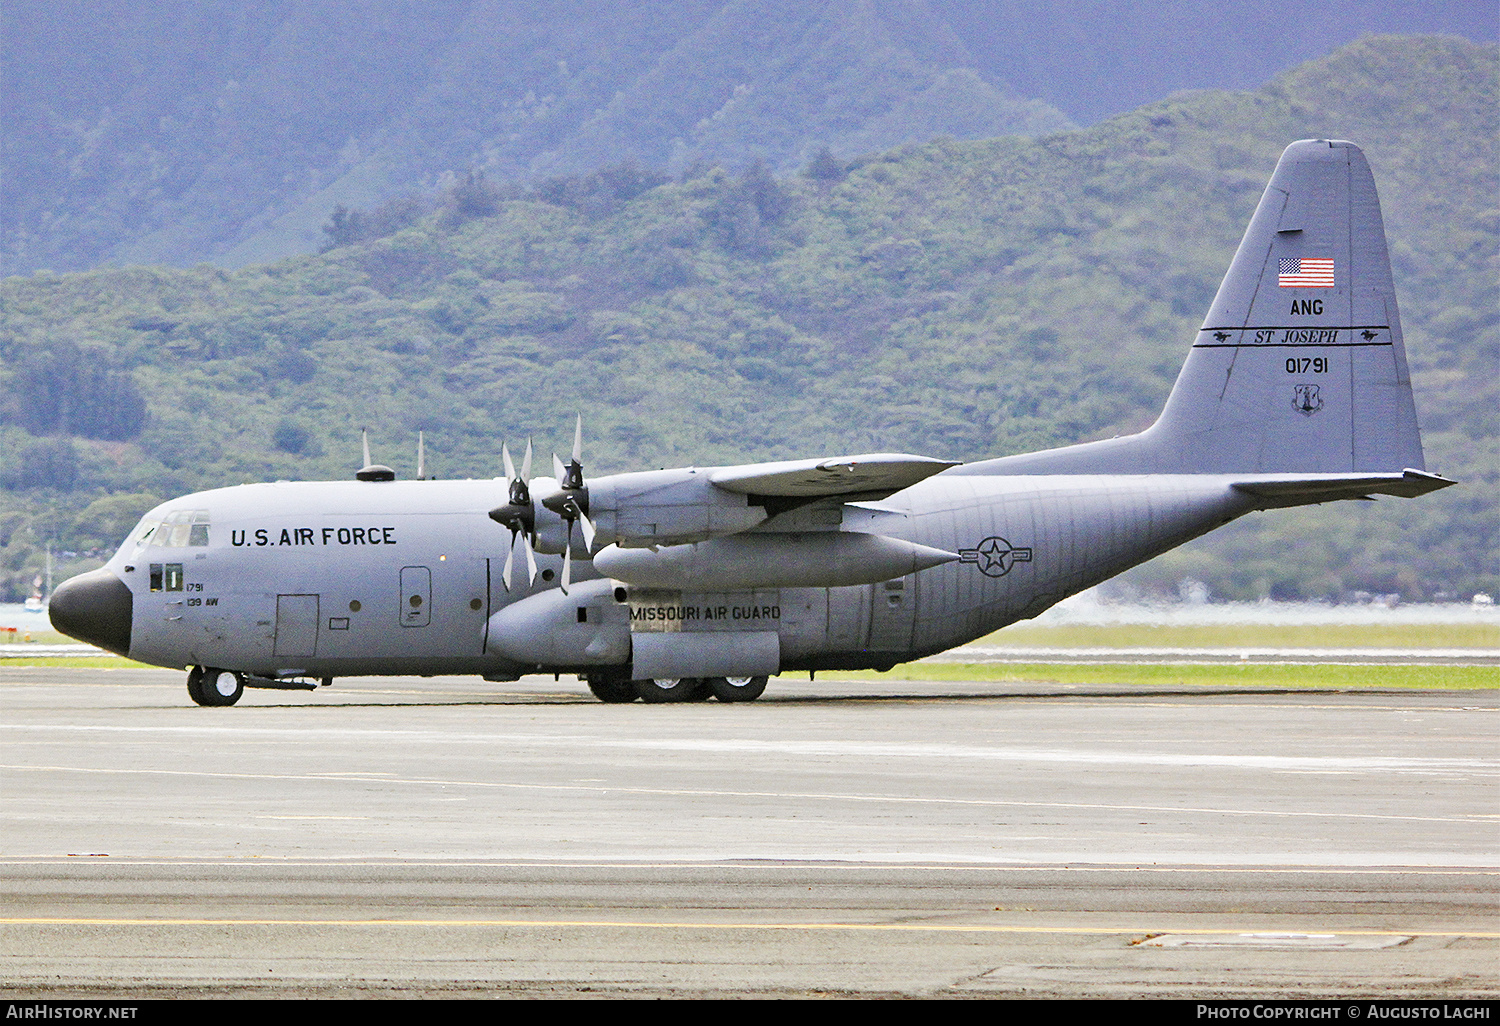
x=1280, y=675
x=1249, y=635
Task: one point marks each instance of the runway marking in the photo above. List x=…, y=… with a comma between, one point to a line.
x=651, y=925
x=712, y=793
x=855, y=749
x=798, y=865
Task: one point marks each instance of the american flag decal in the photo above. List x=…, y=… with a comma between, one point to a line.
x=1305, y=272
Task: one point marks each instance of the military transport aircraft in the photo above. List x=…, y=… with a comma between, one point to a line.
x=673, y=585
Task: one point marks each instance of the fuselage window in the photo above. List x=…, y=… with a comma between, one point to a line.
x=166, y=576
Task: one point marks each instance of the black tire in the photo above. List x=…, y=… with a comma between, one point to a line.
x=611, y=689
x=195, y=685
x=220, y=687
x=667, y=689
x=737, y=689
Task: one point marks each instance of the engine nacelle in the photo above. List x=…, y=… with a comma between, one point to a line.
x=666, y=507
x=551, y=528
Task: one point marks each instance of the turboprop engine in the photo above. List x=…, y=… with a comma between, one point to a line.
x=667, y=507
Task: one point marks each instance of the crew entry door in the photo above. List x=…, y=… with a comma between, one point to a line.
x=296, y=626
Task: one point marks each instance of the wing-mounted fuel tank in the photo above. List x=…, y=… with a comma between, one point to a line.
x=814, y=559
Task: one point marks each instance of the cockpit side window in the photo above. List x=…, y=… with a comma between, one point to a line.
x=198, y=535
x=142, y=534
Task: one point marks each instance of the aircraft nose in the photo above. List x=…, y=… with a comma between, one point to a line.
x=93, y=607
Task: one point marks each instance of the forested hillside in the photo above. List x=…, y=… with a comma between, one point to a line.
x=959, y=298
x=164, y=131
x=184, y=131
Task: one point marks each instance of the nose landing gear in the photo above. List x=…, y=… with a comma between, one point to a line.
x=210, y=686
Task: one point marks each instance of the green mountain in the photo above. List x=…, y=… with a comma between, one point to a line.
x=225, y=131
x=167, y=131
x=955, y=298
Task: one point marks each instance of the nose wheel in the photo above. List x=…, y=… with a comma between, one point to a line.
x=208, y=685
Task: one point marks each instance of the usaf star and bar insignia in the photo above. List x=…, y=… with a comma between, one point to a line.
x=994, y=556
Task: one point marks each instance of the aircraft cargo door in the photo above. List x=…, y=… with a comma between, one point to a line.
x=296, y=626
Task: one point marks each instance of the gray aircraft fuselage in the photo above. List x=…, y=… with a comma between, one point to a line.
x=1295, y=391
x=387, y=586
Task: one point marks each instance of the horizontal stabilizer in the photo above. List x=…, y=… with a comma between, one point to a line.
x=1296, y=489
x=875, y=474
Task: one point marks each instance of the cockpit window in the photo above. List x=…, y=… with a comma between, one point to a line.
x=182, y=528
x=144, y=532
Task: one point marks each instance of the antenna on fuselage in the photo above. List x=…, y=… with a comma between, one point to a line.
x=372, y=471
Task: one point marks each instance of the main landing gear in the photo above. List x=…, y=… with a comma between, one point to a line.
x=210, y=686
x=677, y=689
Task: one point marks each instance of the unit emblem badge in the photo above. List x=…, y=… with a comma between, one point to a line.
x=1307, y=399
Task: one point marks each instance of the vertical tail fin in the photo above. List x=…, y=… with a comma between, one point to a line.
x=1299, y=365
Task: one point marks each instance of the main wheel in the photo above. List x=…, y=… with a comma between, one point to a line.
x=217, y=687
x=737, y=689
x=611, y=689
x=666, y=689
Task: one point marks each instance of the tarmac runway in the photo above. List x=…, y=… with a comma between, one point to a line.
x=451, y=837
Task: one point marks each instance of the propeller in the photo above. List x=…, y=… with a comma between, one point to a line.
x=518, y=513
x=571, y=501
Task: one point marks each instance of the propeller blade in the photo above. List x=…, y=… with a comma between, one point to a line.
x=567, y=564
x=526, y=464
x=530, y=558
x=510, y=468
x=588, y=530
x=578, y=440
x=510, y=557
x=558, y=470
x=421, y=458
x=364, y=434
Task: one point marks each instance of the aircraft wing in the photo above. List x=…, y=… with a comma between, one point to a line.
x=874, y=475
x=1296, y=489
